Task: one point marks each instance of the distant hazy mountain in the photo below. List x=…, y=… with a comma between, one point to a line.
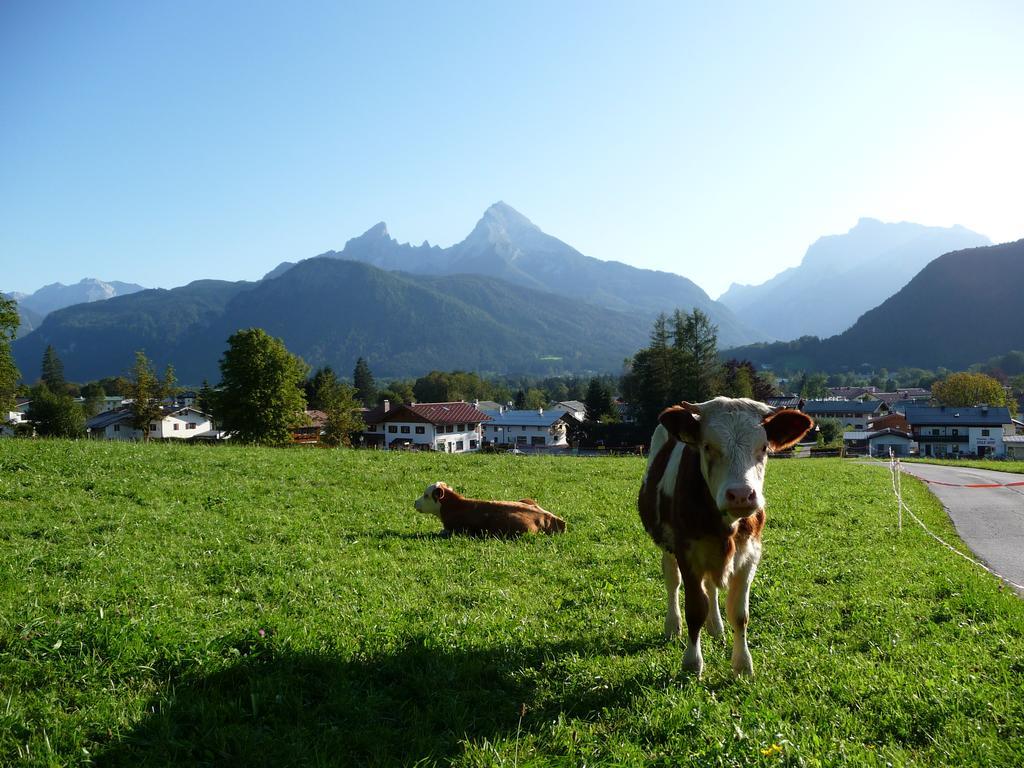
x=961, y=309
x=508, y=246
x=843, y=276
x=29, y=319
x=57, y=295
x=332, y=311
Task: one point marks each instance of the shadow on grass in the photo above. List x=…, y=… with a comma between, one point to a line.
x=414, y=704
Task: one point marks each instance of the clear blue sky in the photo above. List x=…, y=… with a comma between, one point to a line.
x=164, y=142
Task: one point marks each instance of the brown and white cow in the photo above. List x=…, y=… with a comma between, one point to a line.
x=702, y=501
x=478, y=517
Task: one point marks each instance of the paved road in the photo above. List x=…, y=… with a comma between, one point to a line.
x=989, y=520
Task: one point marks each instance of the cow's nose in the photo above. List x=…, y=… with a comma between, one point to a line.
x=741, y=496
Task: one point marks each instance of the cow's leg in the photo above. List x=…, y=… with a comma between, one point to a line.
x=673, y=620
x=737, y=606
x=696, y=614
x=714, y=623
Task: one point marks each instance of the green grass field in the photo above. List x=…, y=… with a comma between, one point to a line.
x=998, y=466
x=176, y=605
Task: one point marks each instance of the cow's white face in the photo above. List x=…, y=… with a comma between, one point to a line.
x=430, y=502
x=733, y=438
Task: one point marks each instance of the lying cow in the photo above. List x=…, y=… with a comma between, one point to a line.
x=486, y=518
x=702, y=502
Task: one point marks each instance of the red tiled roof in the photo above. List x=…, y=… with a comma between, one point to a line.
x=436, y=413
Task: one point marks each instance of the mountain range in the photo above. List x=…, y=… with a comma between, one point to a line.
x=962, y=308
x=843, y=276
x=332, y=311
x=506, y=245
x=34, y=307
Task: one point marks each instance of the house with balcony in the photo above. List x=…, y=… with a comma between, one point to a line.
x=954, y=431
x=856, y=414
x=449, y=427
x=540, y=429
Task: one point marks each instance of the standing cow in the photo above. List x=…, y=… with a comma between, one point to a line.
x=702, y=502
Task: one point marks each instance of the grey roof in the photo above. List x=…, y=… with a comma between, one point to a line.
x=976, y=416
x=525, y=418
x=572, y=405
x=105, y=419
x=830, y=407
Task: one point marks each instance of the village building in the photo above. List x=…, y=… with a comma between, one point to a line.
x=449, y=427
x=538, y=429
x=177, y=423
x=954, y=431
x=879, y=442
x=853, y=413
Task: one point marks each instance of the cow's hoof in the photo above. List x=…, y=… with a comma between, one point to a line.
x=673, y=627
x=742, y=664
x=693, y=661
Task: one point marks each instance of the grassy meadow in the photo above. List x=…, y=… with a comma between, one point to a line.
x=189, y=605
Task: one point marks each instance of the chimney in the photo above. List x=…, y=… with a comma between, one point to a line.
x=387, y=405
x=540, y=411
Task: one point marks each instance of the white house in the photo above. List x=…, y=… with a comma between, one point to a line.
x=1013, y=445
x=535, y=429
x=953, y=431
x=178, y=423
x=879, y=442
x=449, y=427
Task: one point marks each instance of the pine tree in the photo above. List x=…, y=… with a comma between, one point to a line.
x=261, y=397
x=319, y=386
x=598, y=400
x=53, y=371
x=366, y=389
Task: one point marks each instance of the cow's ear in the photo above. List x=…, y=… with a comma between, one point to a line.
x=682, y=423
x=786, y=427
x=438, y=493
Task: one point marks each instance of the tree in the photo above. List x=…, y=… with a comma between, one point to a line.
x=967, y=389
x=55, y=414
x=697, y=338
x=206, y=399
x=95, y=399
x=814, y=386
x=738, y=378
x=9, y=374
x=53, y=370
x=598, y=400
x=366, y=389
x=319, y=386
x=344, y=419
x=148, y=393
x=830, y=430
x=398, y=392
x=261, y=395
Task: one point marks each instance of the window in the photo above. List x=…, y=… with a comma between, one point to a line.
x=117, y=427
x=459, y=446
x=539, y=429
x=521, y=439
x=984, y=433
x=177, y=427
x=472, y=445
x=523, y=428
x=537, y=440
x=191, y=425
x=935, y=432
x=460, y=428
x=955, y=432
x=449, y=428
x=371, y=427
x=439, y=445
x=152, y=427
x=392, y=429
x=405, y=429
x=420, y=430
